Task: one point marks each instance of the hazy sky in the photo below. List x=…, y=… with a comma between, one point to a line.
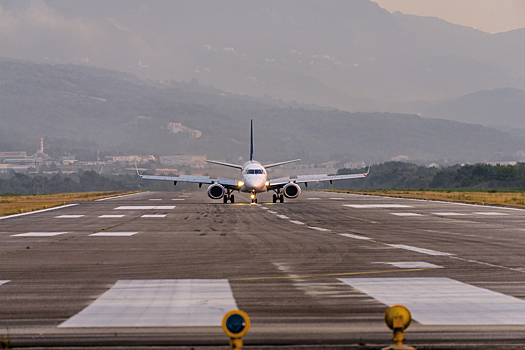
x=491, y=16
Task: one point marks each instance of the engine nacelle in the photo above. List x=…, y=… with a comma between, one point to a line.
x=291, y=190
x=216, y=191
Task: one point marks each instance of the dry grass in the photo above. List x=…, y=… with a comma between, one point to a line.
x=21, y=204
x=510, y=199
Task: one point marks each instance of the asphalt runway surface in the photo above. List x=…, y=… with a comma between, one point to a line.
x=160, y=269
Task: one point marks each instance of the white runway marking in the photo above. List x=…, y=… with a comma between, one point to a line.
x=155, y=199
x=36, y=211
x=264, y=208
x=68, y=216
x=406, y=214
x=297, y=222
x=449, y=214
x=177, y=199
x=111, y=216
x=154, y=216
x=4, y=282
x=125, y=195
x=283, y=216
x=412, y=265
x=114, y=234
x=313, y=198
x=158, y=303
x=39, y=234
x=272, y=212
x=443, y=301
x=349, y=235
x=367, y=206
x=145, y=207
x=319, y=228
x=489, y=213
x=419, y=250
x=338, y=198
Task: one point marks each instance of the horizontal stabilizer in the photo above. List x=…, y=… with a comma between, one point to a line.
x=281, y=163
x=225, y=164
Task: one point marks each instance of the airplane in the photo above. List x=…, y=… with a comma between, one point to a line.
x=254, y=180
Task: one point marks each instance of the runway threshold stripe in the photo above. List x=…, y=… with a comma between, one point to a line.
x=111, y=216
x=39, y=234
x=283, y=216
x=319, y=228
x=158, y=303
x=113, y=234
x=406, y=214
x=4, y=282
x=376, y=206
x=490, y=213
x=411, y=264
x=418, y=250
x=36, y=211
x=69, y=216
x=145, y=207
x=443, y=301
x=297, y=222
x=154, y=216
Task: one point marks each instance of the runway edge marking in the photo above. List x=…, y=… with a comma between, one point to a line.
x=36, y=211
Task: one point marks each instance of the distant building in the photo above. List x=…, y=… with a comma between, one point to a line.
x=175, y=127
x=178, y=127
x=17, y=154
x=165, y=171
x=188, y=160
x=132, y=159
x=195, y=134
x=400, y=158
x=355, y=165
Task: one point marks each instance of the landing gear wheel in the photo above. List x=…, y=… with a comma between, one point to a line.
x=255, y=200
x=225, y=199
x=232, y=199
x=281, y=198
x=275, y=198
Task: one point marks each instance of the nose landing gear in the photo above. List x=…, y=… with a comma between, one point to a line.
x=253, y=196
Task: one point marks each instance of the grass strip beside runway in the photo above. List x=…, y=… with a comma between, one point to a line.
x=15, y=204
x=488, y=197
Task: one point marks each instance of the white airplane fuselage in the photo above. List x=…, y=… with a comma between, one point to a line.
x=254, y=177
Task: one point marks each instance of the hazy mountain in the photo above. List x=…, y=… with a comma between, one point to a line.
x=498, y=107
x=78, y=107
x=349, y=54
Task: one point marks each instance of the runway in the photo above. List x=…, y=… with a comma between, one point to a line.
x=161, y=269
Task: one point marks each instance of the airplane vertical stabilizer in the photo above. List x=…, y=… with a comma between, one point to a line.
x=251, y=140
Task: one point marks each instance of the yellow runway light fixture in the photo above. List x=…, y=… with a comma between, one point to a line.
x=235, y=325
x=398, y=318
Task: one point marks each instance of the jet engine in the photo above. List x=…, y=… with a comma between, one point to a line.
x=291, y=190
x=216, y=191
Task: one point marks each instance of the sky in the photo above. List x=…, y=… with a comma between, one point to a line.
x=491, y=16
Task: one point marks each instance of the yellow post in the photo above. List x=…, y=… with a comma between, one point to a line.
x=236, y=343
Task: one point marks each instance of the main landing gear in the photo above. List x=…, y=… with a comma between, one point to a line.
x=228, y=197
x=278, y=197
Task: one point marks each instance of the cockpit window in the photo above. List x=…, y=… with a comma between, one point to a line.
x=258, y=171
x=251, y=171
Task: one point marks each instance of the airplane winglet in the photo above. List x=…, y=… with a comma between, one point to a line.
x=137, y=170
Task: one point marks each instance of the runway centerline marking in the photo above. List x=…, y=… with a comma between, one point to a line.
x=418, y=250
x=489, y=213
x=297, y=222
x=313, y=198
x=39, y=234
x=154, y=216
x=111, y=216
x=68, y=216
x=449, y=214
x=145, y=207
x=319, y=228
x=376, y=206
x=155, y=199
x=177, y=199
x=113, y=234
x=326, y=275
x=272, y=212
x=158, y=303
x=349, y=235
x=405, y=214
x=411, y=264
x=283, y=216
x=443, y=301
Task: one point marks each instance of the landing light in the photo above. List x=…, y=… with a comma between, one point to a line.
x=267, y=183
x=252, y=196
x=240, y=184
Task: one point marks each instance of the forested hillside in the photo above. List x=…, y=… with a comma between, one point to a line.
x=84, y=108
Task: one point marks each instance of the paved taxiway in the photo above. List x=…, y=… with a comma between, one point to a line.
x=162, y=269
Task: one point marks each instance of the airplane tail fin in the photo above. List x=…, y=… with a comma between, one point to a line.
x=251, y=139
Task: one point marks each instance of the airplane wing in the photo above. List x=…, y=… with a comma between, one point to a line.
x=225, y=164
x=276, y=183
x=281, y=163
x=229, y=183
